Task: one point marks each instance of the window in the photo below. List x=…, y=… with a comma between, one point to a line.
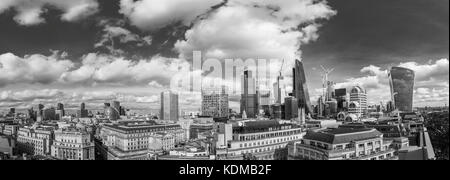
x=361, y=146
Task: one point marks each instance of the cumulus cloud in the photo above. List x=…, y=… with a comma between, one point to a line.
x=30, y=95
x=156, y=14
x=93, y=70
x=31, y=69
x=114, y=34
x=256, y=29
x=29, y=12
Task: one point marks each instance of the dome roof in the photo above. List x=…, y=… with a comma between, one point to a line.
x=358, y=89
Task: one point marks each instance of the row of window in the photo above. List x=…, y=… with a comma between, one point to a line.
x=269, y=142
x=269, y=135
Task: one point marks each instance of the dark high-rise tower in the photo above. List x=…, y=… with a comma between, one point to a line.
x=249, y=97
x=169, y=106
x=402, y=88
x=300, y=90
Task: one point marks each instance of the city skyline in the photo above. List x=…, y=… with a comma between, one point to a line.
x=121, y=53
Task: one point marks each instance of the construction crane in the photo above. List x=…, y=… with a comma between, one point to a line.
x=326, y=73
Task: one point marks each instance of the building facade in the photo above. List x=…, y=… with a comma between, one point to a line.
x=71, y=144
x=132, y=140
x=215, y=102
x=300, y=90
x=291, y=108
x=249, y=97
x=342, y=144
x=358, y=101
x=35, y=141
x=169, y=106
x=264, y=140
x=402, y=88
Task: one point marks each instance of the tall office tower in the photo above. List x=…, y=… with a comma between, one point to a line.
x=83, y=106
x=123, y=111
x=279, y=91
x=320, y=107
x=215, y=102
x=330, y=91
x=402, y=88
x=83, y=112
x=49, y=114
x=60, y=112
x=265, y=99
x=12, y=111
x=40, y=110
x=169, y=106
x=301, y=92
x=341, y=98
x=390, y=106
x=116, y=107
x=249, y=97
x=291, y=108
x=60, y=106
x=358, y=101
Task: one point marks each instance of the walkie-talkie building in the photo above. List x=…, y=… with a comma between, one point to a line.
x=402, y=88
x=300, y=88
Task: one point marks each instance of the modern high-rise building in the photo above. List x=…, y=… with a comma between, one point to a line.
x=300, y=90
x=342, y=99
x=60, y=112
x=358, y=101
x=249, y=97
x=49, y=114
x=169, y=106
x=83, y=112
x=330, y=90
x=215, y=102
x=279, y=91
x=291, y=108
x=402, y=88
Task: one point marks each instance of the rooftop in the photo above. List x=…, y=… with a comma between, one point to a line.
x=343, y=135
x=138, y=125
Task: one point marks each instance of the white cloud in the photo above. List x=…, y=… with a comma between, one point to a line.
x=31, y=69
x=29, y=12
x=30, y=95
x=156, y=14
x=256, y=29
x=432, y=69
x=95, y=69
x=114, y=34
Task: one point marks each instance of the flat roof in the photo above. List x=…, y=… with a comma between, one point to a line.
x=342, y=135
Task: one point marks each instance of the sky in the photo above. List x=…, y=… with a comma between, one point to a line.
x=94, y=51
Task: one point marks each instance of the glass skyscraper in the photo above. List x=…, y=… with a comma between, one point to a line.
x=402, y=88
x=300, y=88
x=169, y=106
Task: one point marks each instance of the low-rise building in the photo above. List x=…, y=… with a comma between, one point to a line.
x=72, y=144
x=131, y=140
x=263, y=140
x=35, y=140
x=7, y=147
x=11, y=130
x=342, y=144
